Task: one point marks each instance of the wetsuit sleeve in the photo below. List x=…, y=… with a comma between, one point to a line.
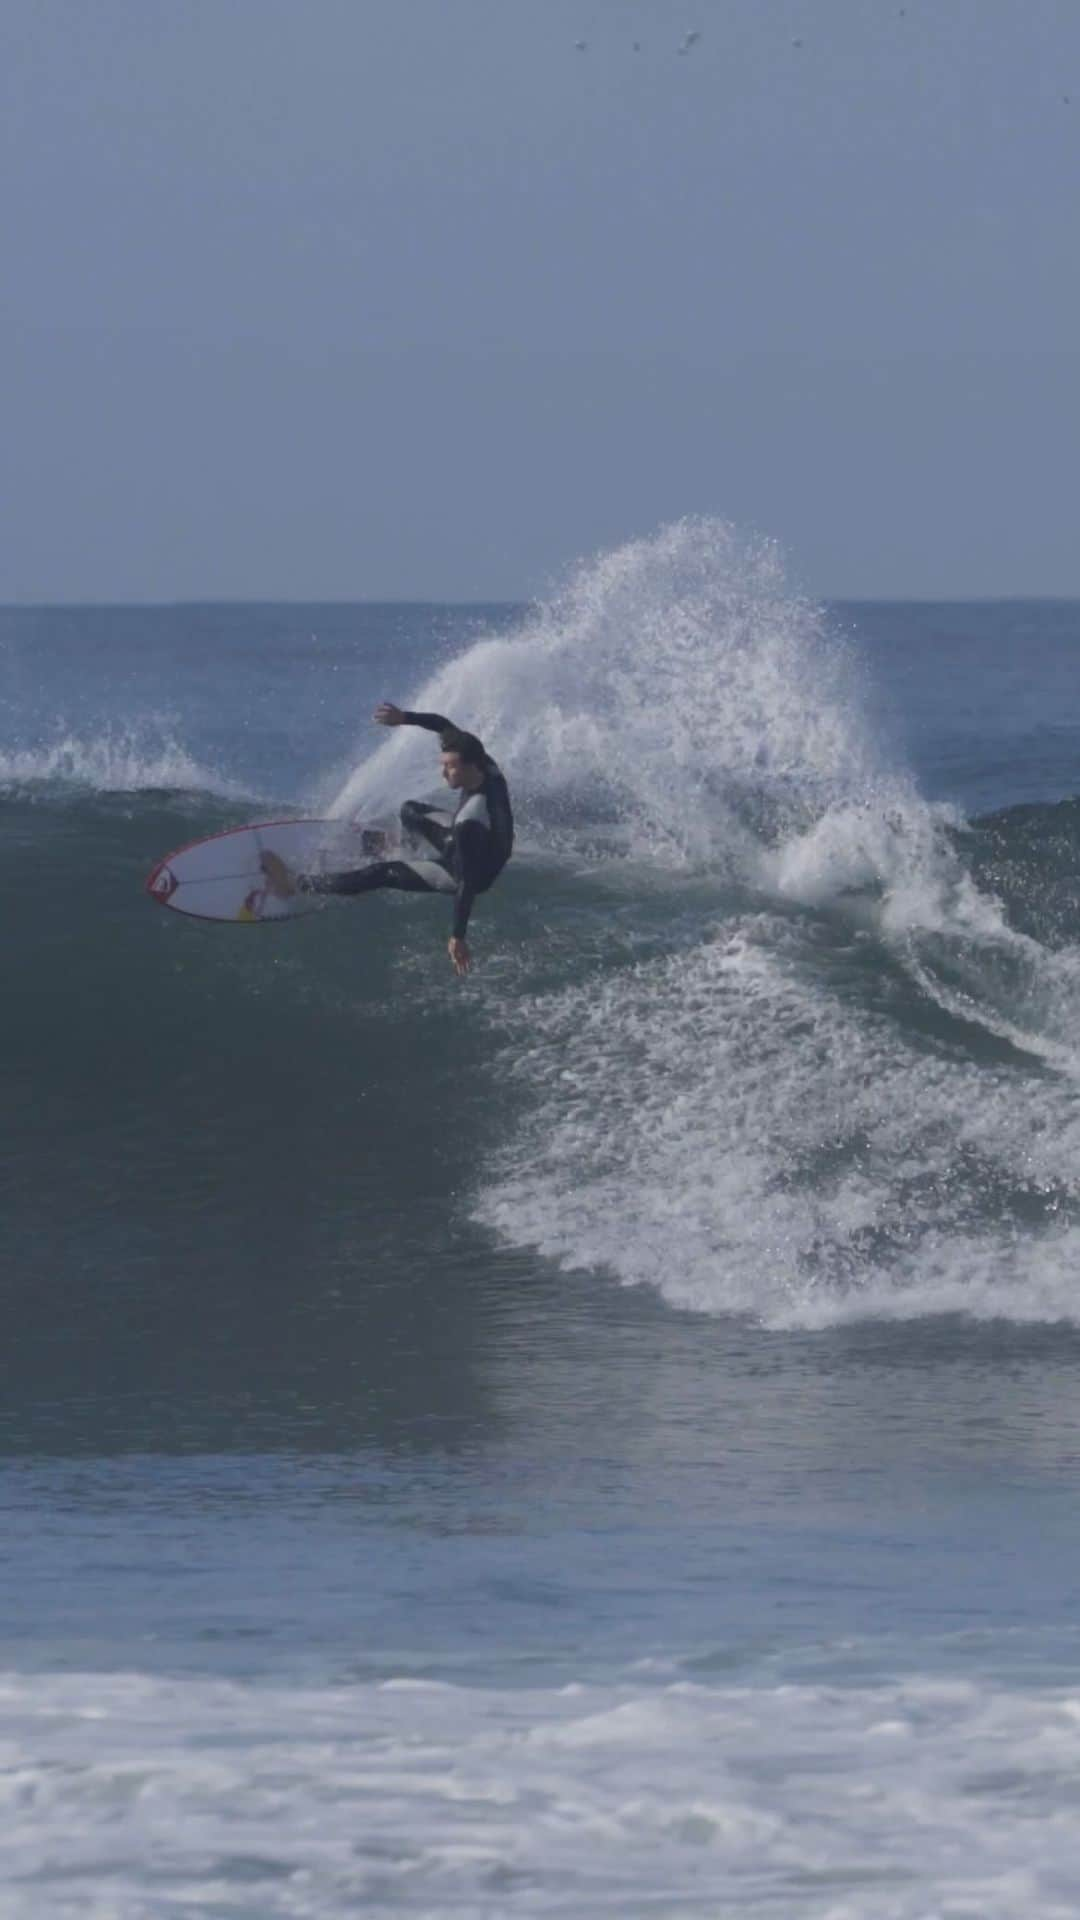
x=434, y=722
x=471, y=842
x=501, y=817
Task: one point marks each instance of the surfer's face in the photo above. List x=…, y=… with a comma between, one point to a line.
x=453, y=770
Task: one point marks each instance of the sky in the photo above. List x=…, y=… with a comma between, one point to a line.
x=421, y=299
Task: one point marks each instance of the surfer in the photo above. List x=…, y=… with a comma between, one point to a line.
x=470, y=846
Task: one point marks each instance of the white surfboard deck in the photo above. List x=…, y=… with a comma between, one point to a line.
x=221, y=879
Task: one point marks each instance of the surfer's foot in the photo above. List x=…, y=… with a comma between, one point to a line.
x=278, y=878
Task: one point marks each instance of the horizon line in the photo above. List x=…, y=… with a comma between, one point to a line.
x=109, y=604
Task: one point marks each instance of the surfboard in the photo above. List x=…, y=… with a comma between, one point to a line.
x=221, y=878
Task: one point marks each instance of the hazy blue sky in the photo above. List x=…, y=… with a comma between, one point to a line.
x=380, y=298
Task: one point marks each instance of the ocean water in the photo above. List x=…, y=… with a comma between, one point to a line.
x=601, y=1437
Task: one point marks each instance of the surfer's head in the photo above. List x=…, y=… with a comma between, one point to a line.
x=463, y=758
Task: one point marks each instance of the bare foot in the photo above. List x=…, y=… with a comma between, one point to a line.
x=278, y=878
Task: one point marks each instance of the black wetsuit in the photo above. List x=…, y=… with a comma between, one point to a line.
x=471, y=846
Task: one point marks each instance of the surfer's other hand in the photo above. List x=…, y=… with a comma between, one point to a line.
x=460, y=957
x=388, y=715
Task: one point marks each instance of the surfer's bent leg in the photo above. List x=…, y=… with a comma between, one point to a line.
x=427, y=823
x=382, y=873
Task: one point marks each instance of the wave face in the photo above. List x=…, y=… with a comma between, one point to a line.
x=759, y=1024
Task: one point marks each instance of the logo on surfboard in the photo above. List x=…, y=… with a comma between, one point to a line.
x=162, y=884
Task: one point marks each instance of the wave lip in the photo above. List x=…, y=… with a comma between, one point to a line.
x=893, y=866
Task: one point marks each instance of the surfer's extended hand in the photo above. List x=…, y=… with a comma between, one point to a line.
x=460, y=957
x=388, y=715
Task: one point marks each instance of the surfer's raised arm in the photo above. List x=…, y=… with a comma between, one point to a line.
x=388, y=715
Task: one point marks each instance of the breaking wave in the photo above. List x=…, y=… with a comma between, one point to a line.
x=849, y=1086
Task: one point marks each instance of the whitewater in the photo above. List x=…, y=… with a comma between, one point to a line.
x=599, y=1437
x=741, y=1124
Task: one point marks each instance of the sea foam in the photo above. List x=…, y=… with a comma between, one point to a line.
x=129, y=1795
x=853, y=1090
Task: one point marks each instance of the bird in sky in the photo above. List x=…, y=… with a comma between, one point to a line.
x=691, y=40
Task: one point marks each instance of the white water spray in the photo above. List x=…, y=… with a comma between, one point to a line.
x=667, y=682
x=113, y=759
x=735, y=1125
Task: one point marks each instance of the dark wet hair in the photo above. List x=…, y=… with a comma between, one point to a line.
x=465, y=745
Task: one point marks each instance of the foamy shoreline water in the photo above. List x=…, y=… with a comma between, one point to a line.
x=927, y=1794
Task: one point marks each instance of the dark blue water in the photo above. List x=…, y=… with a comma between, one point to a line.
x=600, y=1436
